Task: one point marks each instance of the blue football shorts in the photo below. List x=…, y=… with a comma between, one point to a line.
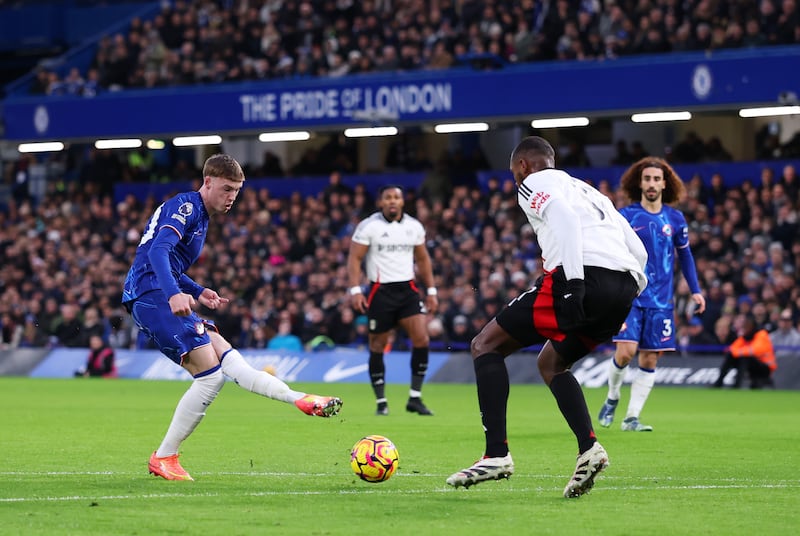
x=174, y=335
x=652, y=329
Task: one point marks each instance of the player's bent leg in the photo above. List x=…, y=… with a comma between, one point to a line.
x=588, y=466
x=482, y=470
x=489, y=349
x=256, y=381
x=265, y=384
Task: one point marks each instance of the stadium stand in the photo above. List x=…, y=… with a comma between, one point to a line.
x=67, y=233
x=187, y=43
x=71, y=248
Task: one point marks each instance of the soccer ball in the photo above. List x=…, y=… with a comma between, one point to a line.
x=374, y=458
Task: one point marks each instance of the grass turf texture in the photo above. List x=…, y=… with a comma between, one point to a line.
x=74, y=461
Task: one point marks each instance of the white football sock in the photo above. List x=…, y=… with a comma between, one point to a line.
x=256, y=381
x=190, y=410
x=615, y=376
x=640, y=390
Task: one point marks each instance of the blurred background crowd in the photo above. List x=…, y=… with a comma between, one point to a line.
x=66, y=246
x=224, y=41
x=63, y=259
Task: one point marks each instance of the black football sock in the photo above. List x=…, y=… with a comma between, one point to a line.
x=419, y=366
x=377, y=373
x=572, y=404
x=491, y=377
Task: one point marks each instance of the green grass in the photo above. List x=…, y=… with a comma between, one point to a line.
x=74, y=455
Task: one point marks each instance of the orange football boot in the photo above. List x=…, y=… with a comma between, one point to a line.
x=321, y=406
x=168, y=467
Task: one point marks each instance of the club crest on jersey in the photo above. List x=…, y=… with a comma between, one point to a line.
x=199, y=328
x=667, y=229
x=538, y=199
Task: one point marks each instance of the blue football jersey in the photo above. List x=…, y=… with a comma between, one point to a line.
x=186, y=215
x=661, y=235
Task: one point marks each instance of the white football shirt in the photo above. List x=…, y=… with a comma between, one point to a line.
x=390, y=257
x=578, y=226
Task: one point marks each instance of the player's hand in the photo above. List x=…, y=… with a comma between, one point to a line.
x=211, y=299
x=181, y=304
x=431, y=303
x=700, y=301
x=572, y=313
x=359, y=302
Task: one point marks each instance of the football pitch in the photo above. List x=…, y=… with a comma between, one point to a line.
x=74, y=461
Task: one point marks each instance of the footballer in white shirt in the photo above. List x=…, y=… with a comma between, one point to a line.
x=389, y=243
x=594, y=268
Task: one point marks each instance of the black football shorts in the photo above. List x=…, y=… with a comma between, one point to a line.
x=389, y=302
x=533, y=317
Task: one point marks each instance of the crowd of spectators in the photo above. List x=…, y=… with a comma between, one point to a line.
x=64, y=255
x=282, y=262
x=215, y=41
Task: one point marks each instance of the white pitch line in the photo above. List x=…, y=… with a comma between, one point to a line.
x=489, y=489
x=517, y=476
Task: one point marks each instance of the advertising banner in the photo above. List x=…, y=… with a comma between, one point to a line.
x=330, y=366
x=721, y=78
x=693, y=370
x=350, y=366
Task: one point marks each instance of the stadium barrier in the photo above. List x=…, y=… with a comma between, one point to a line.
x=348, y=365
